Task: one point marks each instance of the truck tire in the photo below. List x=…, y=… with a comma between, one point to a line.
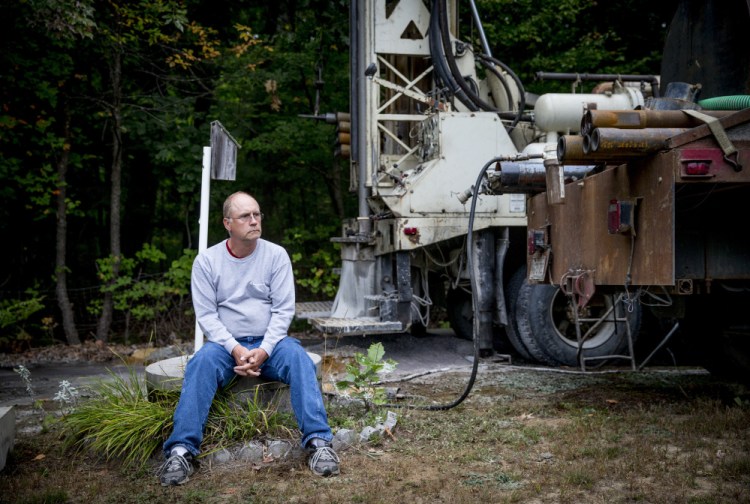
x=545, y=325
x=461, y=319
x=460, y=313
x=512, y=292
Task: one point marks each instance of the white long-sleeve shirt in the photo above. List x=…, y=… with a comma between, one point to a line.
x=238, y=297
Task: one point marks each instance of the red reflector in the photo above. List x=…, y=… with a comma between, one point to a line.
x=697, y=168
x=410, y=231
x=535, y=241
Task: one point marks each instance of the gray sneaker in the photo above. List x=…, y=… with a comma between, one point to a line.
x=176, y=470
x=323, y=460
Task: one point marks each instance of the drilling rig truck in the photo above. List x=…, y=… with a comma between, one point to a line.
x=481, y=198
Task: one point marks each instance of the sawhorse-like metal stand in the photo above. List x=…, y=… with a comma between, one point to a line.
x=615, y=318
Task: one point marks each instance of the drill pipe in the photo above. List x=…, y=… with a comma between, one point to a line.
x=635, y=119
x=631, y=142
x=529, y=176
x=570, y=151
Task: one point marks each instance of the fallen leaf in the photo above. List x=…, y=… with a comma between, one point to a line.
x=40, y=456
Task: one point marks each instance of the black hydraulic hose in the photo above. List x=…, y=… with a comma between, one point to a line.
x=435, y=54
x=503, y=81
x=450, y=58
x=516, y=79
x=474, y=288
x=438, y=60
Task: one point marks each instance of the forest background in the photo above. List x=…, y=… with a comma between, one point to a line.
x=107, y=105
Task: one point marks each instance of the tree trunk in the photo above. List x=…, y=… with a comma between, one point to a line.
x=61, y=288
x=105, y=320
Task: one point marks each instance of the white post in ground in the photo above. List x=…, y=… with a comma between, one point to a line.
x=203, y=224
x=219, y=162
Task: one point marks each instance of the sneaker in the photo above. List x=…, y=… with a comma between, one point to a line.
x=323, y=460
x=176, y=470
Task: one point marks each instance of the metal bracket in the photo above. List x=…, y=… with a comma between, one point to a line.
x=579, y=286
x=721, y=136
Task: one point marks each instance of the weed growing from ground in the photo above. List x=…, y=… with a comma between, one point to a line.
x=363, y=375
x=25, y=375
x=66, y=397
x=235, y=420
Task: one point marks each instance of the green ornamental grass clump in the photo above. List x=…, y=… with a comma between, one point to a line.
x=120, y=422
x=123, y=423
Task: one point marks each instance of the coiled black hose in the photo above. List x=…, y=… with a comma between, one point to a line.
x=451, y=59
x=439, y=61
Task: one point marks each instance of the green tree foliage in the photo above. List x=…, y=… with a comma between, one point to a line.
x=593, y=36
x=267, y=83
x=14, y=318
x=255, y=66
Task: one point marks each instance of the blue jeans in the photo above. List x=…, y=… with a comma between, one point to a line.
x=212, y=367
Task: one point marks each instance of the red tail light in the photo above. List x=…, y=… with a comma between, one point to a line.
x=697, y=168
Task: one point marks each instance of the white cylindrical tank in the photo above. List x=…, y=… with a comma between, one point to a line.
x=563, y=112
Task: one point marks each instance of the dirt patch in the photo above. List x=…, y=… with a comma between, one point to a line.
x=88, y=352
x=523, y=435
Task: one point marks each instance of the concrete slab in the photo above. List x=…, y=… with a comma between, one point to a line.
x=7, y=433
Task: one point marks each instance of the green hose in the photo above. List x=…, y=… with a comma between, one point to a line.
x=736, y=102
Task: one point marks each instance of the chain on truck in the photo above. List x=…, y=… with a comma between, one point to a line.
x=552, y=221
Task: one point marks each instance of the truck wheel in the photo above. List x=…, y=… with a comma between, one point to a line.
x=546, y=325
x=461, y=319
x=460, y=314
x=512, y=292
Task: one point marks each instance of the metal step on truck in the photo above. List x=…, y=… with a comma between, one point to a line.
x=453, y=160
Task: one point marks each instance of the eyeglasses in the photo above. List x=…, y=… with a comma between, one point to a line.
x=258, y=216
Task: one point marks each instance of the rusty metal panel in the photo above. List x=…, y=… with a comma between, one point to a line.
x=578, y=230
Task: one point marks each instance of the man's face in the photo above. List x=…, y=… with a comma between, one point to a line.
x=244, y=222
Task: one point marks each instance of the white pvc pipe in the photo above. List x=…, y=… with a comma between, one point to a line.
x=203, y=223
x=562, y=112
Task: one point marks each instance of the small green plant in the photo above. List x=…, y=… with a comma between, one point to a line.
x=25, y=375
x=37, y=404
x=364, y=373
